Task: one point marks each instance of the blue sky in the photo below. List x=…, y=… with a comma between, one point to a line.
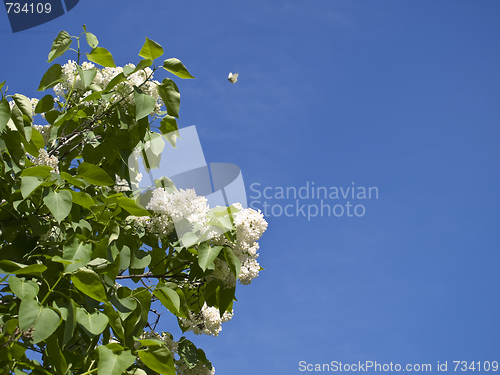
x=402, y=96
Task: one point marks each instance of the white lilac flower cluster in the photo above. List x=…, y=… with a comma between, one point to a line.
x=250, y=225
x=71, y=82
x=171, y=208
x=180, y=366
x=207, y=322
x=34, y=102
x=44, y=159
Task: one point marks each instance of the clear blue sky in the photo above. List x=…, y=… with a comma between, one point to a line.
x=398, y=95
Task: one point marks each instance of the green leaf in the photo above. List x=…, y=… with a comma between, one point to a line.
x=59, y=204
x=45, y=104
x=144, y=104
x=86, y=76
x=166, y=183
x=115, y=321
x=124, y=304
x=89, y=283
x=150, y=342
x=37, y=139
x=4, y=114
x=51, y=77
x=32, y=269
x=140, y=260
x=42, y=171
x=29, y=184
x=82, y=199
x=116, y=80
x=132, y=207
x=102, y=57
x=18, y=119
x=225, y=298
x=169, y=129
x=94, y=175
x=188, y=352
x=175, y=66
x=151, y=50
x=43, y=319
x=70, y=325
x=60, y=45
x=94, y=96
x=24, y=105
x=170, y=95
x=114, y=232
x=55, y=355
x=207, y=254
x=91, y=40
x=8, y=266
x=72, y=180
x=94, y=323
x=233, y=261
x=78, y=252
x=23, y=289
x=155, y=142
x=158, y=359
x=128, y=70
x=113, y=364
x=203, y=359
x=169, y=298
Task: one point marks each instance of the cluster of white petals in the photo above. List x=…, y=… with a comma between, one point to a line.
x=170, y=208
x=173, y=207
x=44, y=159
x=250, y=225
x=123, y=92
x=34, y=102
x=208, y=321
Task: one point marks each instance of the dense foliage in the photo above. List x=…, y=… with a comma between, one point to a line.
x=72, y=227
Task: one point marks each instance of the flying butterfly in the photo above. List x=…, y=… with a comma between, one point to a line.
x=232, y=77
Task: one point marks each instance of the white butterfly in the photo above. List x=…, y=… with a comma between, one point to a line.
x=232, y=77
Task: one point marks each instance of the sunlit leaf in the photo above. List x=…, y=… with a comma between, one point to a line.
x=23, y=289
x=43, y=319
x=169, y=93
x=111, y=363
x=158, y=359
x=94, y=323
x=89, y=283
x=59, y=46
x=175, y=66
x=59, y=203
x=151, y=50
x=102, y=57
